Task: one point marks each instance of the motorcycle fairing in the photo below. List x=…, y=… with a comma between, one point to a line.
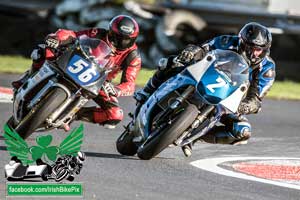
x=44, y=73
x=201, y=74
x=213, y=87
x=232, y=102
x=172, y=84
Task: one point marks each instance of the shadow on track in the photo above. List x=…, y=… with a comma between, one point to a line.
x=109, y=155
x=117, y=156
x=106, y=155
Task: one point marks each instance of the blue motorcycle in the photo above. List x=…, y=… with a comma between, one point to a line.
x=51, y=97
x=187, y=106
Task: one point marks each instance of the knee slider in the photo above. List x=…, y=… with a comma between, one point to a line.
x=242, y=130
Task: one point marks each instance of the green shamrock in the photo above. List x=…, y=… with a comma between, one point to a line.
x=42, y=148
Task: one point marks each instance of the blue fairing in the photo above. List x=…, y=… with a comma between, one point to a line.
x=81, y=71
x=214, y=80
x=215, y=94
x=172, y=84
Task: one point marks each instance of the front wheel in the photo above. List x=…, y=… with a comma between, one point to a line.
x=169, y=134
x=40, y=112
x=125, y=145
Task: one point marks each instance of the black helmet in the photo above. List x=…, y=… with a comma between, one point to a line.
x=254, y=42
x=123, y=31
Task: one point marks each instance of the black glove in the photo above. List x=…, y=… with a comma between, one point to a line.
x=190, y=53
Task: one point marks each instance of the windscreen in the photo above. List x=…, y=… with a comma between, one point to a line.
x=97, y=50
x=231, y=65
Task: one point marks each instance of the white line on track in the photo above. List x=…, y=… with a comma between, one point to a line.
x=211, y=165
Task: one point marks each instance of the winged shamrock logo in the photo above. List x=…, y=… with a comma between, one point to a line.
x=17, y=146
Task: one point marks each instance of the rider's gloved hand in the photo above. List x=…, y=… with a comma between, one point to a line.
x=60, y=38
x=110, y=90
x=52, y=42
x=190, y=53
x=244, y=108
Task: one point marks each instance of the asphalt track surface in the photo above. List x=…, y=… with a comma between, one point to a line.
x=108, y=175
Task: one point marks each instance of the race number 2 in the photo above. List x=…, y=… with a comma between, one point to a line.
x=220, y=83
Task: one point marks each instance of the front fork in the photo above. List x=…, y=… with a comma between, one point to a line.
x=178, y=101
x=52, y=119
x=186, y=137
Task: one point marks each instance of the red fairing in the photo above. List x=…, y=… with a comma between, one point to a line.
x=49, y=54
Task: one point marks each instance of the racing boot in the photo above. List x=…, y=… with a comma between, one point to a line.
x=86, y=114
x=142, y=95
x=220, y=136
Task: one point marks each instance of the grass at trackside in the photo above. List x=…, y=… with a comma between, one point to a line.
x=280, y=90
x=14, y=64
x=285, y=90
x=142, y=77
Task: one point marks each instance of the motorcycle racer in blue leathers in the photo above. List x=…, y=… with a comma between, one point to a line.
x=253, y=42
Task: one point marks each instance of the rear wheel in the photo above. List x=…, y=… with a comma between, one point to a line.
x=169, y=134
x=40, y=112
x=125, y=145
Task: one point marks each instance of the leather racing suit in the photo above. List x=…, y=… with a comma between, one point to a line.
x=127, y=61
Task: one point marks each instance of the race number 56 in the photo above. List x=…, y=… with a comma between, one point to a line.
x=220, y=83
x=80, y=67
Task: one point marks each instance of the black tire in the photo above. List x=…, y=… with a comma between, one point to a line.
x=170, y=24
x=169, y=134
x=40, y=112
x=125, y=145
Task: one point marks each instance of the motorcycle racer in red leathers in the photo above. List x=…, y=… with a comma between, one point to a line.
x=121, y=36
